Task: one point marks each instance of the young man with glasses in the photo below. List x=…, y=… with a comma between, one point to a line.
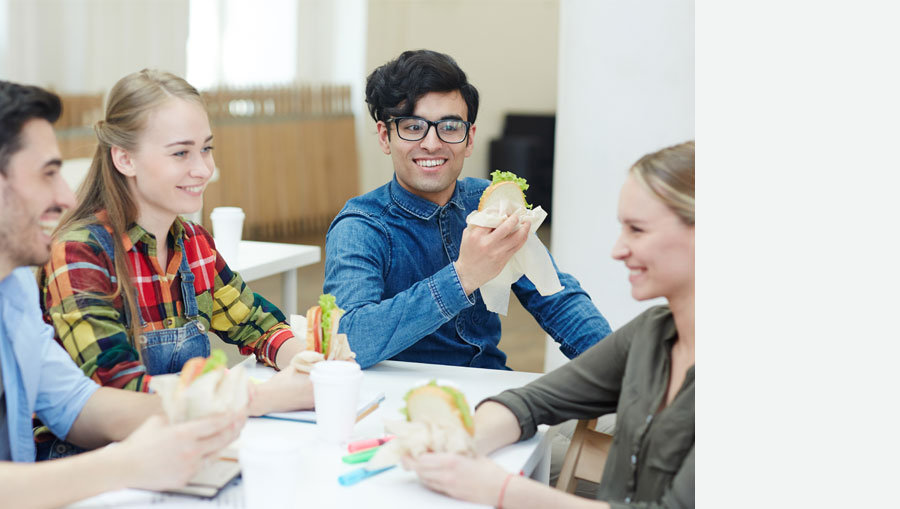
x=401, y=260
x=37, y=376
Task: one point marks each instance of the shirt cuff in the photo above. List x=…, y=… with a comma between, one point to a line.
x=267, y=350
x=448, y=292
x=516, y=404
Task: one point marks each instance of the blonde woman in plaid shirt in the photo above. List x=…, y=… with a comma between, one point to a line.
x=131, y=287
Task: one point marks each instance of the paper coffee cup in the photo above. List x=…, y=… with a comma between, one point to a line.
x=228, y=225
x=336, y=389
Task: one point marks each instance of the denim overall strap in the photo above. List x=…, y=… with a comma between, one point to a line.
x=106, y=242
x=187, y=285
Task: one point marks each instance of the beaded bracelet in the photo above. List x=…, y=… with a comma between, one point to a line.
x=503, y=490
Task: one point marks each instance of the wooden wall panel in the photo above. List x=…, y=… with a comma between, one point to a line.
x=287, y=155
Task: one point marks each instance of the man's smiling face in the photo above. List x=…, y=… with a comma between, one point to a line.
x=429, y=167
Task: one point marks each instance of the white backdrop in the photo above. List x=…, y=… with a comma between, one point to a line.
x=626, y=87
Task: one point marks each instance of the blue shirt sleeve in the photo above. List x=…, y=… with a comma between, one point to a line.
x=569, y=316
x=357, y=256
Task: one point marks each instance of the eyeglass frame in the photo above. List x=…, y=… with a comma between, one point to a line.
x=430, y=123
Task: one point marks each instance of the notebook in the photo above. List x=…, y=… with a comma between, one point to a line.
x=212, y=478
x=369, y=402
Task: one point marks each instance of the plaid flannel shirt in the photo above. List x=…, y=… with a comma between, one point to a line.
x=92, y=328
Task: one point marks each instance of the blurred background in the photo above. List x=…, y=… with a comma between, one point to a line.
x=572, y=93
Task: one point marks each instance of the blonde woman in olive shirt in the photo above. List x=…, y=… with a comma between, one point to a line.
x=644, y=371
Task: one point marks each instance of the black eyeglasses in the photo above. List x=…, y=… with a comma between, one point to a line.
x=416, y=128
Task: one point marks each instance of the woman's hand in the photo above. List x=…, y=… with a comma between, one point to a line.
x=476, y=479
x=158, y=455
x=288, y=390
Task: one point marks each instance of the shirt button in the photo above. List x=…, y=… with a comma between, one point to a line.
x=143, y=339
x=201, y=326
x=627, y=500
x=634, y=459
x=649, y=418
x=170, y=322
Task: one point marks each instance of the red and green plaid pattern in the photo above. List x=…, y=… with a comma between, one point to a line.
x=91, y=327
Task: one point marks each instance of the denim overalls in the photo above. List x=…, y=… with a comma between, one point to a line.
x=162, y=351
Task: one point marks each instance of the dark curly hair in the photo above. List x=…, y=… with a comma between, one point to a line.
x=393, y=89
x=18, y=105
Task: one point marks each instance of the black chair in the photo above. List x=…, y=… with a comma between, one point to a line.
x=526, y=149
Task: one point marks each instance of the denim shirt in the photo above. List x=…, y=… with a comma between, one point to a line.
x=38, y=375
x=389, y=262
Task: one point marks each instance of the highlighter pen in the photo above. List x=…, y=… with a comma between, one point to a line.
x=361, y=445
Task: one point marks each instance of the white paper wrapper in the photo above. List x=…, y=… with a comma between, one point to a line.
x=303, y=361
x=532, y=260
x=215, y=392
x=417, y=438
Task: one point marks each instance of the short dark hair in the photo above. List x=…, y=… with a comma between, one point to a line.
x=18, y=105
x=393, y=89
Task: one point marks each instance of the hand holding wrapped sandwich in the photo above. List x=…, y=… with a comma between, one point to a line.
x=322, y=339
x=500, y=245
x=204, y=387
x=437, y=420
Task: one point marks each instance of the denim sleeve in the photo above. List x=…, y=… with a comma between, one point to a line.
x=569, y=316
x=357, y=259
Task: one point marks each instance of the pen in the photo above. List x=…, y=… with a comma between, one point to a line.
x=371, y=407
x=360, y=445
x=353, y=477
x=361, y=456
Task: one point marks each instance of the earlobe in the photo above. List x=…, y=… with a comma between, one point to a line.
x=122, y=161
x=383, y=140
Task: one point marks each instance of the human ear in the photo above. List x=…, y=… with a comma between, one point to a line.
x=384, y=137
x=470, y=141
x=122, y=160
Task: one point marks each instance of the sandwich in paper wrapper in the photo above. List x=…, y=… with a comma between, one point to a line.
x=437, y=420
x=204, y=387
x=320, y=326
x=503, y=198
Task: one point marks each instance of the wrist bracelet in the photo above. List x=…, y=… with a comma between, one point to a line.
x=503, y=490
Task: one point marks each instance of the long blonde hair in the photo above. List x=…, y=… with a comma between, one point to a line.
x=669, y=175
x=128, y=106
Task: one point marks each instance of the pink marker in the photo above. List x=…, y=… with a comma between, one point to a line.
x=362, y=445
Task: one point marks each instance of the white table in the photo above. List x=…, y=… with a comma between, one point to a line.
x=257, y=260
x=322, y=463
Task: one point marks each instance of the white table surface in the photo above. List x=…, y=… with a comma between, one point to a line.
x=317, y=480
x=257, y=260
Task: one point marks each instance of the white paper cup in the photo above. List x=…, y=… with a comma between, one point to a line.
x=269, y=472
x=336, y=389
x=228, y=225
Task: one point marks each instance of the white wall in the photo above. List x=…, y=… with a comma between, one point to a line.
x=507, y=48
x=626, y=87
x=85, y=46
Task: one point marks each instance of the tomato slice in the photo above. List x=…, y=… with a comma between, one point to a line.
x=317, y=329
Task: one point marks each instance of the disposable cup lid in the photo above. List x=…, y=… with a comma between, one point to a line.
x=227, y=211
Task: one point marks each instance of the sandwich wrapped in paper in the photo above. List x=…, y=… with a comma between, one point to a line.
x=503, y=198
x=320, y=328
x=437, y=420
x=204, y=387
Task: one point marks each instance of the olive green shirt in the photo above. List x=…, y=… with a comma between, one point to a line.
x=651, y=461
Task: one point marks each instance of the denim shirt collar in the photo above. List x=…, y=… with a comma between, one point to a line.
x=418, y=206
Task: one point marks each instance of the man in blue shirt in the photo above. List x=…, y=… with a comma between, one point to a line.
x=38, y=377
x=401, y=260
